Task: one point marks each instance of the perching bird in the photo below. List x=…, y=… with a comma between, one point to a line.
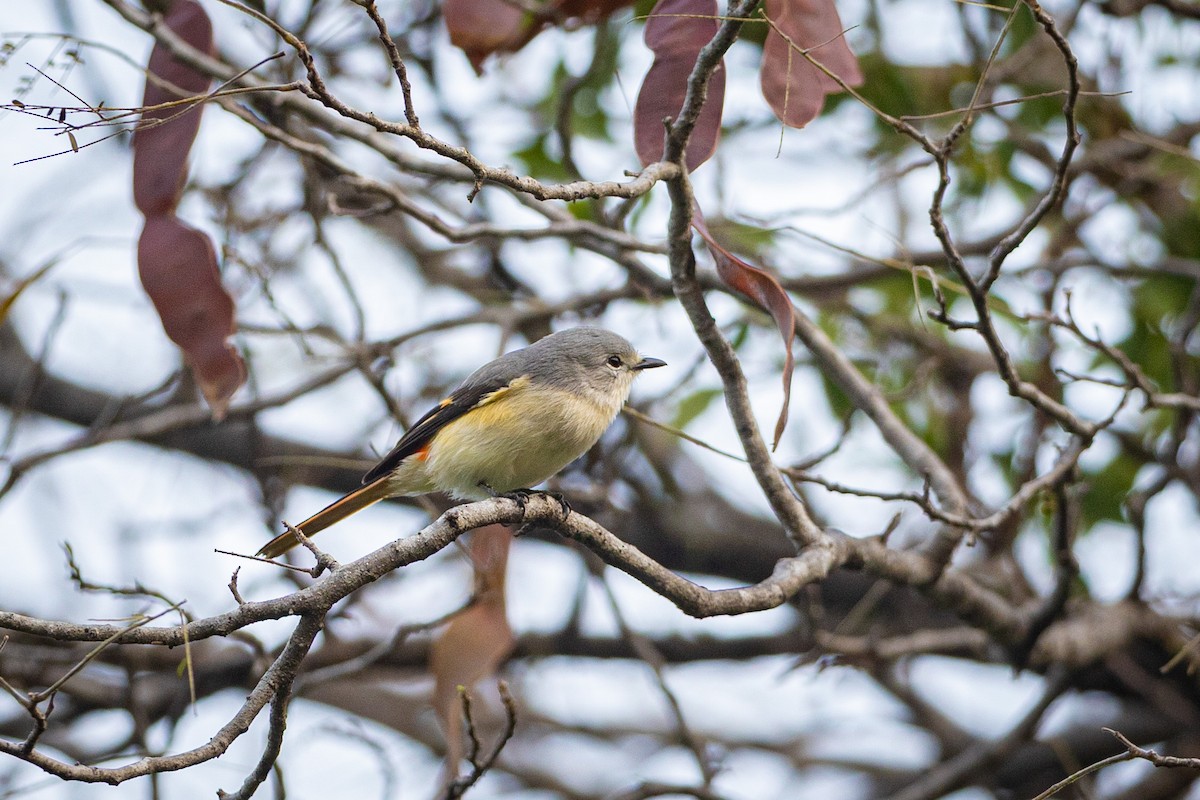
x=512, y=424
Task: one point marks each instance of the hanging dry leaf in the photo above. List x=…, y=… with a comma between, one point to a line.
x=481, y=28
x=164, y=137
x=176, y=263
x=792, y=85
x=476, y=641
x=765, y=291
x=676, y=31
x=178, y=269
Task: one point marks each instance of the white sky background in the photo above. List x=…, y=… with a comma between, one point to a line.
x=138, y=513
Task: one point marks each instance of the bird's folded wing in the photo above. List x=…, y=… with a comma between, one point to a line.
x=465, y=398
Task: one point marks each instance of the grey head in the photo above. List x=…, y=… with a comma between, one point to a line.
x=588, y=358
x=593, y=360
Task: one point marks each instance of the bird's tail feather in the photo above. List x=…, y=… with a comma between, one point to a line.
x=336, y=511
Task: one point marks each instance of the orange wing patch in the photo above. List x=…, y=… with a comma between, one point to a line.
x=465, y=400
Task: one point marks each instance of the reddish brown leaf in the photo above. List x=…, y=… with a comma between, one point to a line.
x=164, y=137
x=177, y=264
x=676, y=35
x=476, y=641
x=793, y=86
x=178, y=268
x=764, y=290
x=482, y=27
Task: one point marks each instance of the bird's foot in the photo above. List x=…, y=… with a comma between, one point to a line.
x=518, y=496
x=521, y=498
x=563, y=503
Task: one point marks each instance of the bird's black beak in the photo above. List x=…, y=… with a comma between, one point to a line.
x=648, y=363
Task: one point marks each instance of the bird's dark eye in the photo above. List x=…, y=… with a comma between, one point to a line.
x=614, y=361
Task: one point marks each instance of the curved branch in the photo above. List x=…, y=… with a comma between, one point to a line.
x=477, y=170
x=787, y=506
x=274, y=680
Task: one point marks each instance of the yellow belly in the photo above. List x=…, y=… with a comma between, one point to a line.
x=514, y=442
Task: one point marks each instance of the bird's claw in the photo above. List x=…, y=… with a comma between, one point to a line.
x=562, y=503
x=521, y=498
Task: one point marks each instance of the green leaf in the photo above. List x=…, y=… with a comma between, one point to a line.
x=584, y=210
x=1024, y=27
x=749, y=240
x=1107, y=489
x=693, y=406
x=1157, y=302
x=539, y=163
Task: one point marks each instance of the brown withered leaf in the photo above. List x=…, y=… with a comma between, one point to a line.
x=676, y=31
x=765, y=291
x=482, y=27
x=178, y=269
x=792, y=85
x=177, y=264
x=164, y=137
x=476, y=641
